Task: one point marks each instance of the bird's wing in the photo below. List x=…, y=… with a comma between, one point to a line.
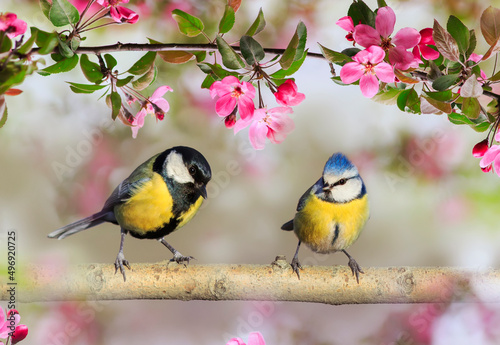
x=303, y=198
x=125, y=189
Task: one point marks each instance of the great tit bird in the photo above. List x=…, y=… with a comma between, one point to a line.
x=160, y=196
x=331, y=214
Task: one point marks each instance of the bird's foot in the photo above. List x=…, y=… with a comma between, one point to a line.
x=296, y=266
x=355, y=268
x=119, y=263
x=181, y=259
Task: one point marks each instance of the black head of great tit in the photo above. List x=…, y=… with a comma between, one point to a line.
x=160, y=196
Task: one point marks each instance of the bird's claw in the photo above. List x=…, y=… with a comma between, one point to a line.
x=119, y=263
x=181, y=259
x=355, y=268
x=296, y=266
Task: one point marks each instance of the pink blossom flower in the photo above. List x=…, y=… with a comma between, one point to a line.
x=155, y=105
x=232, y=93
x=9, y=321
x=254, y=338
x=480, y=148
x=287, y=94
x=491, y=159
x=367, y=67
x=271, y=123
x=11, y=25
x=477, y=58
x=230, y=120
x=422, y=47
x=347, y=24
x=404, y=39
x=119, y=14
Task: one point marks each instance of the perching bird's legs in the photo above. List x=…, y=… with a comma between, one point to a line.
x=295, y=261
x=178, y=257
x=120, y=258
x=355, y=268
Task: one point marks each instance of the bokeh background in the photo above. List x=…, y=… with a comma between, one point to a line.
x=431, y=204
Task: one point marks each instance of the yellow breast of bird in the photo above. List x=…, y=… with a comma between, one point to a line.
x=186, y=217
x=149, y=208
x=328, y=227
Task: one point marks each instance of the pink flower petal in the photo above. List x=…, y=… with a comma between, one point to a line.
x=257, y=134
x=366, y=36
x=346, y=23
x=159, y=92
x=496, y=165
x=241, y=124
x=428, y=53
x=351, y=72
x=406, y=38
x=480, y=148
x=497, y=136
x=256, y=338
x=225, y=105
x=280, y=127
x=426, y=36
x=377, y=54
x=475, y=57
x=245, y=106
x=127, y=15
x=138, y=122
x=236, y=341
x=400, y=58
x=248, y=89
x=369, y=85
x=490, y=155
x=162, y=104
x=385, y=21
x=385, y=72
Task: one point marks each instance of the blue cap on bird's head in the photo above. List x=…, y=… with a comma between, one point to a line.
x=338, y=164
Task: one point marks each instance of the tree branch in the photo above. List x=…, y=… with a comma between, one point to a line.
x=276, y=282
x=137, y=47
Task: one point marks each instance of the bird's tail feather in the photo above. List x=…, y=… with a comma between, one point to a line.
x=79, y=225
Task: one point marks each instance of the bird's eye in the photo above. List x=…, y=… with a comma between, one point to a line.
x=341, y=181
x=192, y=170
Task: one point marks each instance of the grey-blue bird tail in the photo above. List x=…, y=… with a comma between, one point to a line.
x=80, y=225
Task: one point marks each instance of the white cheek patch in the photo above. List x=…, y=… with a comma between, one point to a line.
x=348, y=191
x=176, y=169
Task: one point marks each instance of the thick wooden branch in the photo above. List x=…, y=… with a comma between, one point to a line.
x=275, y=282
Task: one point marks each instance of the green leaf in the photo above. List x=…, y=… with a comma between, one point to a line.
x=200, y=56
x=116, y=104
x=3, y=111
x=472, y=43
x=45, y=6
x=441, y=96
x=444, y=82
x=62, y=13
x=334, y=57
x=381, y=3
x=64, y=49
x=11, y=75
x=445, y=43
x=85, y=88
x=295, y=48
x=143, y=64
x=490, y=25
x=361, y=13
x=46, y=41
x=189, y=25
x=61, y=66
x=471, y=107
x=282, y=73
x=215, y=70
x=6, y=43
x=145, y=80
x=176, y=56
x=258, y=25
x=459, y=119
x=471, y=88
x=459, y=32
x=482, y=127
x=441, y=106
x=251, y=50
x=91, y=70
x=110, y=61
x=124, y=81
x=207, y=82
x=227, y=21
x=230, y=58
x=388, y=97
x=26, y=47
x=350, y=52
x=496, y=77
x=408, y=101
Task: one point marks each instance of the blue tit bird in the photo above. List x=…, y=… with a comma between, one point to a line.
x=160, y=196
x=332, y=213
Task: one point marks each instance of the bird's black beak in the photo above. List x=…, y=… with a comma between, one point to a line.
x=203, y=191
